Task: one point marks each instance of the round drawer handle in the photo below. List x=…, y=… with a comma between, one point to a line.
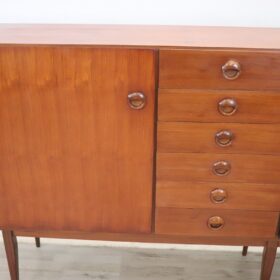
x=227, y=106
x=231, y=70
x=216, y=223
x=218, y=196
x=221, y=168
x=224, y=138
x=136, y=100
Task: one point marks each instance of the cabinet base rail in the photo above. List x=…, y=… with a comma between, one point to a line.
x=11, y=246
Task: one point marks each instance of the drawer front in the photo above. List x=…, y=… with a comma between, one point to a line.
x=242, y=196
x=209, y=106
x=211, y=69
x=263, y=169
x=206, y=222
x=218, y=138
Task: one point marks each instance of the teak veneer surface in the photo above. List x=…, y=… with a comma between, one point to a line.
x=202, y=69
x=184, y=137
x=140, y=35
x=77, y=162
x=202, y=106
x=148, y=238
x=193, y=222
x=243, y=196
x=198, y=167
x=68, y=155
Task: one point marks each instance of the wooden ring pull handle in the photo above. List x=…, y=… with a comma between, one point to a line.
x=227, y=106
x=216, y=223
x=224, y=138
x=231, y=70
x=221, y=168
x=218, y=196
x=136, y=100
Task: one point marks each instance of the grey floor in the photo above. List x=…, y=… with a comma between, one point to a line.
x=53, y=262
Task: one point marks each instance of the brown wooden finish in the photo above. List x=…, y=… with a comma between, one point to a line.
x=151, y=237
x=73, y=154
x=198, y=195
x=200, y=137
x=245, y=251
x=79, y=136
x=269, y=255
x=38, y=242
x=140, y=35
x=263, y=169
x=11, y=247
x=202, y=69
x=231, y=69
x=202, y=106
x=228, y=106
x=236, y=223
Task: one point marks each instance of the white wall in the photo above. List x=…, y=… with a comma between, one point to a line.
x=264, y=13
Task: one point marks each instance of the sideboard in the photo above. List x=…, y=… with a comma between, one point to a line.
x=140, y=133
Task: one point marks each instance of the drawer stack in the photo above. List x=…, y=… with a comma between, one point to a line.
x=218, y=143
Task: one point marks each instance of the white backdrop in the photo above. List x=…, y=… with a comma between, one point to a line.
x=264, y=13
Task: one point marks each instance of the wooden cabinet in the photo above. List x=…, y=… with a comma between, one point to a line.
x=131, y=134
x=73, y=154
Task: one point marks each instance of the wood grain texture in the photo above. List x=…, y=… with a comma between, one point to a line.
x=197, y=195
x=11, y=248
x=77, y=162
x=200, y=137
x=150, y=237
x=202, y=106
x=269, y=255
x=137, y=35
x=73, y=154
x=202, y=69
x=237, y=223
x=262, y=169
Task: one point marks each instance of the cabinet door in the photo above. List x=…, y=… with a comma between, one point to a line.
x=73, y=154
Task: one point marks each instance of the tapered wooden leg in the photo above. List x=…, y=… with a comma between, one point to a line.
x=38, y=242
x=245, y=251
x=269, y=255
x=11, y=247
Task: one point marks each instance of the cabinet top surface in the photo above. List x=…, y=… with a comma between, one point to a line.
x=140, y=36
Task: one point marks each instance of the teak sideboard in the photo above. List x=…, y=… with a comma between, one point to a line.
x=140, y=133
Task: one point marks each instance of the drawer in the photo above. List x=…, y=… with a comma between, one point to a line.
x=176, y=137
x=211, y=106
x=264, y=169
x=242, y=196
x=207, y=222
x=215, y=69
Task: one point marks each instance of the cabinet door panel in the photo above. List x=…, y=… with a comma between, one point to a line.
x=73, y=154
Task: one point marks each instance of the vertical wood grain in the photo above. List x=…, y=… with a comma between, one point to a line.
x=11, y=247
x=73, y=155
x=269, y=255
